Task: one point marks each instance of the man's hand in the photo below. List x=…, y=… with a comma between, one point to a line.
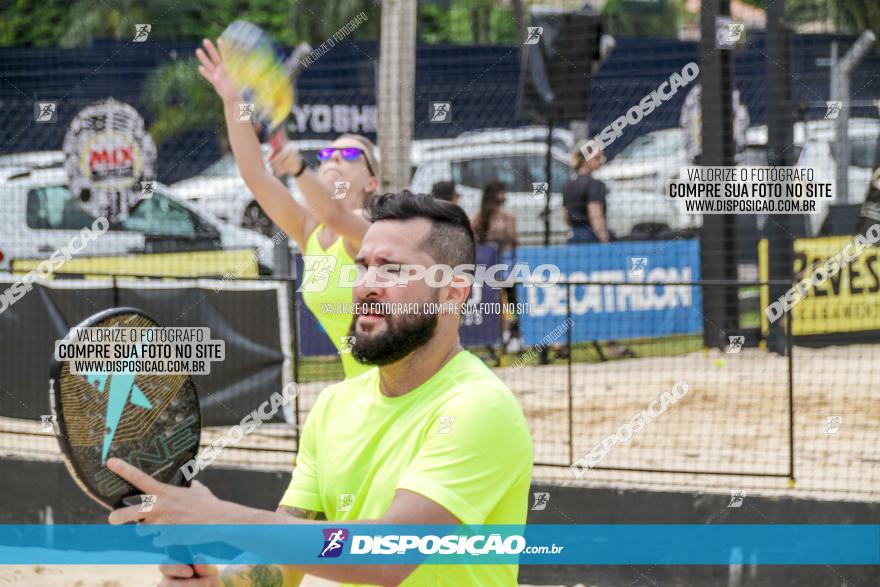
x=286, y=161
x=185, y=576
x=173, y=505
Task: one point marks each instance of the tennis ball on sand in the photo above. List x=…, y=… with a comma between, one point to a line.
x=720, y=363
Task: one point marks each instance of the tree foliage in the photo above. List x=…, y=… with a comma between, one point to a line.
x=661, y=18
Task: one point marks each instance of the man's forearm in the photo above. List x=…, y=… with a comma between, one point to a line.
x=373, y=574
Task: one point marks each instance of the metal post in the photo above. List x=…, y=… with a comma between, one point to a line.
x=842, y=73
x=781, y=229
x=568, y=289
x=789, y=341
x=397, y=66
x=548, y=173
x=718, y=239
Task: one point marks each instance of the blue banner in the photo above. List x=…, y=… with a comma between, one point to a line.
x=624, y=544
x=613, y=312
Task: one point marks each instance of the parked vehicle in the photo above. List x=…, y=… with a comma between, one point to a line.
x=220, y=190
x=520, y=166
x=815, y=146
x=40, y=216
x=648, y=163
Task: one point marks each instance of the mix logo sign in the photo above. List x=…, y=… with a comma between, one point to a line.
x=108, y=153
x=334, y=541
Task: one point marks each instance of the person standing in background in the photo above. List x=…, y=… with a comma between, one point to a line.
x=584, y=203
x=496, y=226
x=445, y=190
x=584, y=200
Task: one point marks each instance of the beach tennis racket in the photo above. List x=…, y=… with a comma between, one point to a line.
x=264, y=78
x=150, y=421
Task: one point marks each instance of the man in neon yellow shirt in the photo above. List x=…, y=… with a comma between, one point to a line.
x=430, y=437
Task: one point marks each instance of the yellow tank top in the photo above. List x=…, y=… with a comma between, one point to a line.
x=327, y=305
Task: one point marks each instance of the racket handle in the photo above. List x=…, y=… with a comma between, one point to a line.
x=180, y=554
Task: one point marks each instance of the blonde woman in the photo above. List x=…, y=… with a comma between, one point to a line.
x=326, y=225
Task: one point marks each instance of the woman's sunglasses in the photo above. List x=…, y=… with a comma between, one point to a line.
x=348, y=153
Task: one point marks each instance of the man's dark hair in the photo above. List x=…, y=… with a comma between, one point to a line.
x=451, y=240
x=443, y=190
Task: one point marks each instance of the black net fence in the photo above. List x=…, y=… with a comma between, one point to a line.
x=657, y=348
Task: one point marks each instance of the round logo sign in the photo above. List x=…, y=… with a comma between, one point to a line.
x=109, y=154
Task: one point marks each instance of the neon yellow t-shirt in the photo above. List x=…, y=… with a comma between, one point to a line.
x=459, y=439
x=335, y=322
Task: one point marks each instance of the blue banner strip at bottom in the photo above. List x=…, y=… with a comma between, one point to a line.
x=660, y=544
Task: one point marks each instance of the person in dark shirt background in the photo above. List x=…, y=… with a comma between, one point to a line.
x=584, y=203
x=583, y=200
x=445, y=190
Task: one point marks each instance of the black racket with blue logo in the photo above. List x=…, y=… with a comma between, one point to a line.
x=152, y=421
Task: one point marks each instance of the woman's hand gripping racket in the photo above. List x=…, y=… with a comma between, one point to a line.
x=152, y=422
x=247, y=65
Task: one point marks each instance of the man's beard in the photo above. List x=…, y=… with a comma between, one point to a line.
x=404, y=334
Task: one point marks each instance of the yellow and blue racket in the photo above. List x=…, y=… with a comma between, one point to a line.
x=265, y=80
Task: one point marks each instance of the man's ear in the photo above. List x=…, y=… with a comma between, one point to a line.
x=459, y=289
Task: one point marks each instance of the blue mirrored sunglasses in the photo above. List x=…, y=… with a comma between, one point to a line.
x=348, y=153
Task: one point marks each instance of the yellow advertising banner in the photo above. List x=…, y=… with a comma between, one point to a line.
x=234, y=264
x=848, y=301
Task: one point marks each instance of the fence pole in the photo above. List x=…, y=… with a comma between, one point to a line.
x=718, y=259
x=781, y=229
x=789, y=319
x=568, y=376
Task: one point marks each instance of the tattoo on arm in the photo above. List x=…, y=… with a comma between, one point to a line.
x=255, y=576
x=301, y=513
x=267, y=575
